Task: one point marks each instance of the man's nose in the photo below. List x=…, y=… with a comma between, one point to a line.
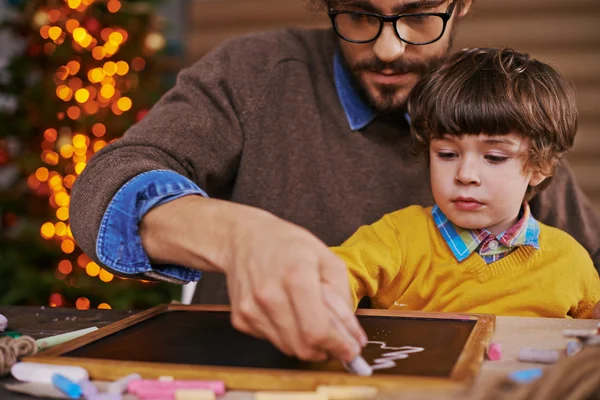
x=467, y=173
x=388, y=46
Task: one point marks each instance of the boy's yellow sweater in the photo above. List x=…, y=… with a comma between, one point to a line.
x=402, y=262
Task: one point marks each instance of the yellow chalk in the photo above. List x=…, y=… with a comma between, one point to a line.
x=194, y=394
x=290, y=396
x=348, y=392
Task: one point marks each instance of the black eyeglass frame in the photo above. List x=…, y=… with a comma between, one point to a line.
x=445, y=16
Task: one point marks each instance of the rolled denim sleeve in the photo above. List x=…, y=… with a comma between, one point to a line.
x=119, y=245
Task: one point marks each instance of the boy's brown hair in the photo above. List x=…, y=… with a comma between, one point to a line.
x=497, y=91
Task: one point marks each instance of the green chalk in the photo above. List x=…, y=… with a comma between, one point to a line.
x=46, y=343
x=12, y=334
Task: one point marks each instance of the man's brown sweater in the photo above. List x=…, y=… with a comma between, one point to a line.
x=258, y=121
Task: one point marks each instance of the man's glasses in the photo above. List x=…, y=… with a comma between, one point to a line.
x=416, y=29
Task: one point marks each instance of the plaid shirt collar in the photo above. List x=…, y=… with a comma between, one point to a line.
x=462, y=242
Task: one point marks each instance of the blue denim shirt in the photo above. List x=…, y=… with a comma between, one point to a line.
x=119, y=245
x=358, y=113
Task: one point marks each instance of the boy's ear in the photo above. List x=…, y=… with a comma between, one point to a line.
x=536, y=178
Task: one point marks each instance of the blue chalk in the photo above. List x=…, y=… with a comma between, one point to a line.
x=66, y=386
x=526, y=375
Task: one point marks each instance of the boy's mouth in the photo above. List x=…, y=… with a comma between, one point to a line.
x=467, y=203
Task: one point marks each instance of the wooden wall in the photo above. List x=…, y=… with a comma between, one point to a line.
x=564, y=33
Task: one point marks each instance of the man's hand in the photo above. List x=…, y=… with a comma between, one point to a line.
x=285, y=285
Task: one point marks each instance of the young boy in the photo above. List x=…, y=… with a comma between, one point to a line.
x=492, y=124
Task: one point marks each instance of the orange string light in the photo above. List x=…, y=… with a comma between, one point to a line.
x=82, y=303
x=86, y=90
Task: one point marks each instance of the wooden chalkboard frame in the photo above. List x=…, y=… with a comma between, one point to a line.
x=465, y=369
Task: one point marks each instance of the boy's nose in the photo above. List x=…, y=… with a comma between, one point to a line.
x=388, y=47
x=467, y=174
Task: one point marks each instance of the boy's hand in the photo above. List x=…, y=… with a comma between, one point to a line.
x=596, y=311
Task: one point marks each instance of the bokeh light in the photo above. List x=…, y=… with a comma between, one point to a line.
x=82, y=303
x=105, y=276
x=56, y=300
x=92, y=269
x=65, y=267
x=47, y=230
x=93, y=82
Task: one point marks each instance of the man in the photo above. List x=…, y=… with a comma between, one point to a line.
x=268, y=150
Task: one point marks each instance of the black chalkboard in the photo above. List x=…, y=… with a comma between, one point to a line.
x=207, y=338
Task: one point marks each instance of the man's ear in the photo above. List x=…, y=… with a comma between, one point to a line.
x=465, y=7
x=536, y=178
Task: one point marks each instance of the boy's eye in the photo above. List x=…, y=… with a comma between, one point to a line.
x=496, y=159
x=446, y=155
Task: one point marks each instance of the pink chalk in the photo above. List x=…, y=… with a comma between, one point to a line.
x=494, y=352
x=148, y=389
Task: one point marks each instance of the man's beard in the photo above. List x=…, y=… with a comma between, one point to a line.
x=388, y=98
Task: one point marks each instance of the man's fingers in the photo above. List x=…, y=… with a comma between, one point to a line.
x=275, y=304
x=337, y=291
x=335, y=274
x=316, y=321
x=246, y=316
x=277, y=278
x=302, y=286
x=345, y=315
x=261, y=329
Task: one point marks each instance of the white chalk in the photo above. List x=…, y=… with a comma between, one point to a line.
x=592, y=341
x=580, y=332
x=105, y=396
x=194, y=394
x=120, y=386
x=46, y=343
x=338, y=392
x=87, y=389
x=42, y=373
x=573, y=347
x=43, y=390
x=539, y=355
x=3, y=323
x=359, y=366
x=289, y=396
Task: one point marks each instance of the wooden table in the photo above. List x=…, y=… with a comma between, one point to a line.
x=513, y=333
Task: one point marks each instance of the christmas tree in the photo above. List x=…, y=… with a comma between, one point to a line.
x=84, y=71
